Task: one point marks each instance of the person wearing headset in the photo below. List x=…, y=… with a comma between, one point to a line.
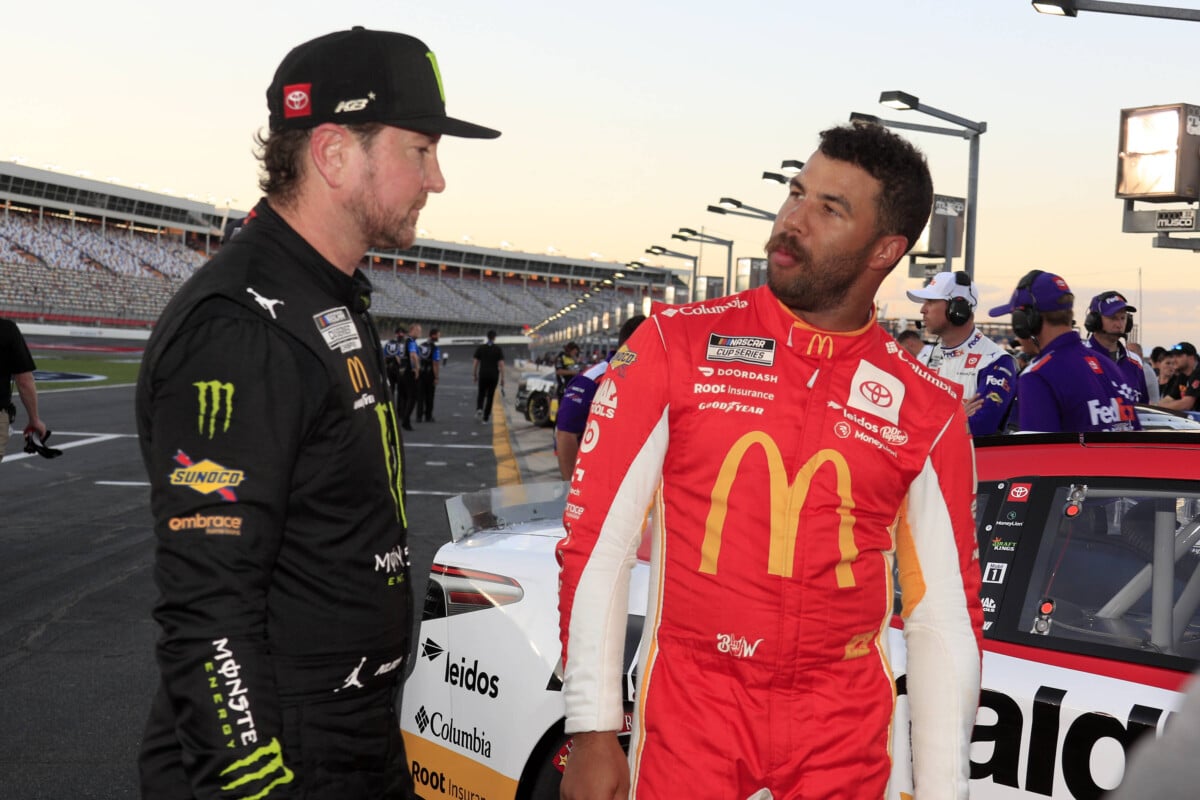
x=985, y=370
x=1109, y=319
x=1067, y=387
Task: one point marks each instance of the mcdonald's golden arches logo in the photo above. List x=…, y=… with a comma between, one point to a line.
x=820, y=343
x=787, y=503
x=358, y=374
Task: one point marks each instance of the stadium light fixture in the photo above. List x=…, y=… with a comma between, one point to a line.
x=968, y=129
x=692, y=235
x=1071, y=8
x=659, y=250
x=775, y=177
x=730, y=205
x=1158, y=158
x=791, y=165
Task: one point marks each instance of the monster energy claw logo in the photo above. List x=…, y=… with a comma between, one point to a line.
x=216, y=400
x=264, y=763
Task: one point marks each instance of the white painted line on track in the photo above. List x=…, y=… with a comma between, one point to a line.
x=95, y=438
x=122, y=483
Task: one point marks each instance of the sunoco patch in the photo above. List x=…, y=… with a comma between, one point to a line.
x=746, y=349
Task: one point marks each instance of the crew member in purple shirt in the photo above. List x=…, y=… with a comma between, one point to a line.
x=1109, y=319
x=1067, y=387
x=577, y=400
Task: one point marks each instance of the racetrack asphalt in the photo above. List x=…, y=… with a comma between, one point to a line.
x=76, y=589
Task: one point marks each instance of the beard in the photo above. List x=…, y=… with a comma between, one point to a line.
x=383, y=229
x=812, y=286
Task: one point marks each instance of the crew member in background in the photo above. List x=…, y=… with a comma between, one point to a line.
x=566, y=366
x=577, y=402
x=488, y=371
x=1066, y=387
x=392, y=350
x=1148, y=372
x=911, y=341
x=1187, y=378
x=410, y=374
x=431, y=370
x=16, y=366
x=984, y=369
x=1109, y=319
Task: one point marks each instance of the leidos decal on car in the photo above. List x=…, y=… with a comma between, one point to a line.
x=471, y=678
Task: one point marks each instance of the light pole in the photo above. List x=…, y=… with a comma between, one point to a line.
x=692, y=235
x=1071, y=8
x=728, y=205
x=659, y=250
x=970, y=130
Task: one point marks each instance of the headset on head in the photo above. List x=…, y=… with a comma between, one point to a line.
x=1094, y=322
x=1026, y=319
x=959, y=309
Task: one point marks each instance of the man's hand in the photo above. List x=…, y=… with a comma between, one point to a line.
x=972, y=404
x=596, y=769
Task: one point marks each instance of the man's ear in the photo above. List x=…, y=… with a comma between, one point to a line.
x=329, y=149
x=888, y=251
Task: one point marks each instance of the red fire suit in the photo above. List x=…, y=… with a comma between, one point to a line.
x=788, y=468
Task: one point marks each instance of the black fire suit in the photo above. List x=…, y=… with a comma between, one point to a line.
x=274, y=458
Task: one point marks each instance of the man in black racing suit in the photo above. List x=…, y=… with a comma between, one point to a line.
x=274, y=455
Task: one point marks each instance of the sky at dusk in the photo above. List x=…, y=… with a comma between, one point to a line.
x=622, y=121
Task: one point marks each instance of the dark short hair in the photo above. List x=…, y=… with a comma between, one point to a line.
x=906, y=188
x=1157, y=353
x=906, y=334
x=491, y=334
x=629, y=327
x=571, y=346
x=280, y=155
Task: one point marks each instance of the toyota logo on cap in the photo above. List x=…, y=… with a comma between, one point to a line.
x=296, y=100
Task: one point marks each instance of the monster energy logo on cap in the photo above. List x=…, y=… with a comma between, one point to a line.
x=216, y=400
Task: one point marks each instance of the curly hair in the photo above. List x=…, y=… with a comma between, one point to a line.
x=280, y=154
x=906, y=189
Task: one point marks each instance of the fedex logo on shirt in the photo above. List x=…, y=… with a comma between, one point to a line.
x=1110, y=413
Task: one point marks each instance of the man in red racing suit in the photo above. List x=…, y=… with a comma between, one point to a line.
x=788, y=467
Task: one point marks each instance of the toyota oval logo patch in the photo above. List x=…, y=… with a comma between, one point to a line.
x=297, y=100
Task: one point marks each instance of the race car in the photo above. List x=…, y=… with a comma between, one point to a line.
x=537, y=399
x=1090, y=559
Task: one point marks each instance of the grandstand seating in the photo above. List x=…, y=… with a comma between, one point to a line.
x=66, y=269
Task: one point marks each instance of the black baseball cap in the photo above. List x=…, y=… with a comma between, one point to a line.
x=1187, y=348
x=356, y=76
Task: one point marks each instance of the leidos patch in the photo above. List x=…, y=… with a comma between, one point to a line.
x=336, y=327
x=206, y=477
x=747, y=349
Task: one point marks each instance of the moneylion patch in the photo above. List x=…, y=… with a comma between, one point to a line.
x=206, y=477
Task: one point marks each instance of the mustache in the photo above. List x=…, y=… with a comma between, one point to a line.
x=787, y=244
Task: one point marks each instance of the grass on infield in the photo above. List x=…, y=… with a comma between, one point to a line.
x=115, y=368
